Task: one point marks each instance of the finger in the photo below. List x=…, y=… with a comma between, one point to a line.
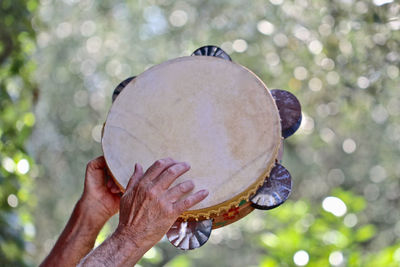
x=176, y=192
x=109, y=184
x=136, y=176
x=95, y=171
x=184, y=204
x=114, y=188
x=157, y=168
x=98, y=163
x=168, y=176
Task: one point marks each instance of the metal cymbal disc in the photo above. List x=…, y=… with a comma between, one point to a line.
x=189, y=235
x=212, y=51
x=121, y=87
x=289, y=110
x=275, y=190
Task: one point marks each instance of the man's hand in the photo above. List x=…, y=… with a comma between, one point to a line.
x=99, y=197
x=97, y=204
x=148, y=209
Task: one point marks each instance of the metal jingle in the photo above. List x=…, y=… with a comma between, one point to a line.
x=212, y=51
x=189, y=235
x=289, y=110
x=121, y=87
x=275, y=190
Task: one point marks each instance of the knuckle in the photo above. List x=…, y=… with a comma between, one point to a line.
x=181, y=188
x=90, y=164
x=187, y=203
x=173, y=171
x=142, y=186
x=170, y=211
x=168, y=159
x=185, y=186
x=159, y=163
x=153, y=194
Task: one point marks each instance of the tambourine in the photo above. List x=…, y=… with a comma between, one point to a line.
x=215, y=114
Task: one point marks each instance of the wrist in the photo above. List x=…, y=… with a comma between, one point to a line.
x=135, y=238
x=130, y=245
x=91, y=213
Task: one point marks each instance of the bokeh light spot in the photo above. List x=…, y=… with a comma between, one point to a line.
x=265, y=27
x=239, y=45
x=327, y=135
x=381, y=2
x=315, y=84
x=152, y=253
x=349, y=146
x=307, y=125
x=300, y=73
x=178, y=18
x=280, y=40
x=363, y=82
x=272, y=59
x=315, y=47
x=334, y=205
x=96, y=133
x=336, y=258
x=30, y=230
x=93, y=44
x=379, y=114
x=377, y=174
x=64, y=30
x=270, y=239
x=8, y=164
x=301, y=258
x=276, y=2
x=350, y=220
x=332, y=78
x=88, y=28
x=23, y=166
x=392, y=71
x=12, y=200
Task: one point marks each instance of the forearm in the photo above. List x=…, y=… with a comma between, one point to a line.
x=77, y=239
x=117, y=250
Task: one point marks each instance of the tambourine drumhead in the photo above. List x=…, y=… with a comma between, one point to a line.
x=210, y=112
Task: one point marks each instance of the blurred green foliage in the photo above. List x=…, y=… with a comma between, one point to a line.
x=17, y=93
x=341, y=59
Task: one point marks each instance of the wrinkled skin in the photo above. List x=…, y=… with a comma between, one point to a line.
x=148, y=208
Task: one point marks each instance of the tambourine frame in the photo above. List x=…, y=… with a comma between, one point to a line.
x=238, y=200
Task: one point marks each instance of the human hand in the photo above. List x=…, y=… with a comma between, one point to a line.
x=100, y=198
x=149, y=207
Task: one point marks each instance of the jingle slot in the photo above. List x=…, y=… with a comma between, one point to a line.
x=289, y=111
x=212, y=51
x=275, y=190
x=188, y=235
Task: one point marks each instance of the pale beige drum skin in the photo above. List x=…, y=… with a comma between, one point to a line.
x=212, y=113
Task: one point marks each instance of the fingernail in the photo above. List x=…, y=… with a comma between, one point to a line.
x=186, y=164
x=204, y=192
x=187, y=186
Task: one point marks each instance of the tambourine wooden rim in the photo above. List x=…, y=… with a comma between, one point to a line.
x=239, y=199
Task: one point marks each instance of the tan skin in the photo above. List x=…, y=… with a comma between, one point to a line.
x=148, y=208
